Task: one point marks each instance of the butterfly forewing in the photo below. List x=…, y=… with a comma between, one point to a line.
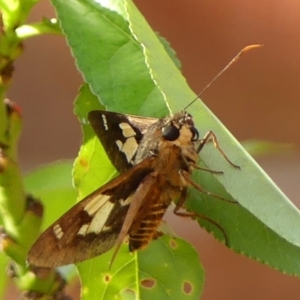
x=120, y=135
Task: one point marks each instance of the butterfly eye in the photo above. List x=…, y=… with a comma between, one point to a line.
x=195, y=134
x=170, y=132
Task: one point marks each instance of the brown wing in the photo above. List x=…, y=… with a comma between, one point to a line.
x=91, y=227
x=120, y=135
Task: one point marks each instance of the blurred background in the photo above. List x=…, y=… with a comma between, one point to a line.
x=259, y=97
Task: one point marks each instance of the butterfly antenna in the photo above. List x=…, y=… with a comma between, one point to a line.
x=244, y=50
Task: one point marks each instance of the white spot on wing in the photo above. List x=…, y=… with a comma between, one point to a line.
x=83, y=229
x=126, y=201
x=96, y=203
x=119, y=144
x=127, y=130
x=99, y=208
x=100, y=218
x=129, y=148
x=104, y=122
x=58, y=231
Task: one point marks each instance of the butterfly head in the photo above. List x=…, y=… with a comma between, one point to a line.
x=180, y=126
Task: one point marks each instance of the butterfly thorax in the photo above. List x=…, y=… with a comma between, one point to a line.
x=176, y=130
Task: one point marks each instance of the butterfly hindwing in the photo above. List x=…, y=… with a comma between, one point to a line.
x=93, y=225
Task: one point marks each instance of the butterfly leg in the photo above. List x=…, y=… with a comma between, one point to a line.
x=192, y=183
x=179, y=205
x=206, y=170
x=210, y=136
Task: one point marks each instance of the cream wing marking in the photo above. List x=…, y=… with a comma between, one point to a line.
x=127, y=201
x=99, y=209
x=127, y=130
x=96, y=203
x=104, y=121
x=128, y=148
x=58, y=231
x=100, y=218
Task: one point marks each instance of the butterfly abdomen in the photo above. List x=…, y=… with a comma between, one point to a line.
x=140, y=236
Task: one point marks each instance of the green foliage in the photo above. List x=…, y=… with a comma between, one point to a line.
x=129, y=69
x=162, y=271
x=20, y=214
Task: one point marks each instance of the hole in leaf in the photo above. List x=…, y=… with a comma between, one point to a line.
x=107, y=278
x=148, y=283
x=173, y=244
x=187, y=287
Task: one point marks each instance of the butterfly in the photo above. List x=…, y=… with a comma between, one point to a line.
x=155, y=159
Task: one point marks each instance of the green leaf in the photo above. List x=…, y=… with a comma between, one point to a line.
x=165, y=276
x=109, y=57
x=170, y=50
x=129, y=71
